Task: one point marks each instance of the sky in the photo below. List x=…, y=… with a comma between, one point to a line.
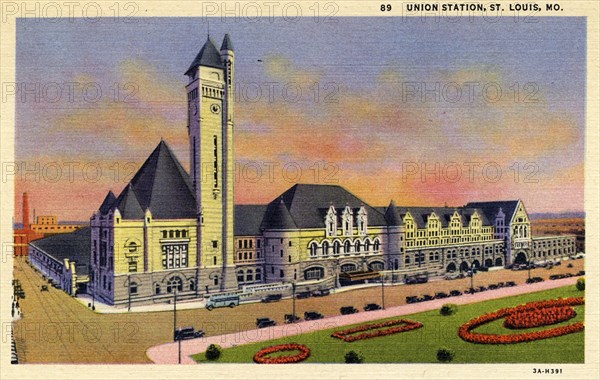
x=422, y=112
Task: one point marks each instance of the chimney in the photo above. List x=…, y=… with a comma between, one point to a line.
x=25, y=211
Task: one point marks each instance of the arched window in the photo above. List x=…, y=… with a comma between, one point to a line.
x=133, y=288
x=376, y=265
x=367, y=245
x=347, y=246
x=240, y=276
x=174, y=283
x=357, y=246
x=348, y=267
x=157, y=289
x=325, y=248
x=336, y=247
x=314, y=273
x=193, y=285
x=313, y=249
x=376, y=245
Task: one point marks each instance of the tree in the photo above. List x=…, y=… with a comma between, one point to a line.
x=448, y=309
x=353, y=357
x=581, y=284
x=445, y=355
x=213, y=352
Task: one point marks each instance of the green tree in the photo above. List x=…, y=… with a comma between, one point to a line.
x=445, y=355
x=581, y=284
x=353, y=357
x=448, y=309
x=213, y=352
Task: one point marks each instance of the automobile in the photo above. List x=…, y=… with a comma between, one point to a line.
x=482, y=288
x=320, y=293
x=556, y=276
x=222, y=301
x=484, y=269
x=371, y=307
x=412, y=299
x=566, y=275
x=344, y=310
x=493, y=287
x=44, y=288
x=271, y=298
x=291, y=318
x=189, y=332
x=264, y=322
x=569, y=265
x=533, y=280
x=439, y=295
x=312, y=315
x=410, y=281
x=557, y=263
x=581, y=273
x=454, y=293
x=422, y=279
x=580, y=256
x=301, y=295
x=500, y=284
x=55, y=285
x=471, y=291
x=511, y=283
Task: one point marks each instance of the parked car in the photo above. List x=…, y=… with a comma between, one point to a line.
x=302, y=295
x=371, y=307
x=493, y=287
x=511, y=283
x=533, y=280
x=581, y=273
x=265, y=322
x=501, y=284
x=321, y=293
x=454, y=293
x=291, y=318
x=222, y=301
x=556, y=276
x=348, y=310
x=184, y=333
x=569, y=265
x=427, y=297
x=482, y=288
x=44, y=288
x=271, y=298
x=412, y=299
x=439, y=295
x=312, y=315
x=422, y=279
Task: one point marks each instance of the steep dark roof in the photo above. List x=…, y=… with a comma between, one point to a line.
x=278, y=217
x=248, y=219
x=106, y=205
x=307, y=206
x=491, y=209
x=74, y=246
x=392, y=216
x=128, y=204
x=208, y=56
x=160, y=185
x=227, y=44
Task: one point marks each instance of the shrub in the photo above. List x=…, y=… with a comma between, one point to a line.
x=448, y=309
x=213, y=352
x=445, y=355
x=353, y=357
x=581, y=284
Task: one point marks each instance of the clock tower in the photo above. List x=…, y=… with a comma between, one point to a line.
x=210, y=129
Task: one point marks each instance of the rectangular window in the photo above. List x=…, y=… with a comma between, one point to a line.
x=215, y=163
x=132, y=266
x=215, y=244
x=174, y=255
x=281, y=273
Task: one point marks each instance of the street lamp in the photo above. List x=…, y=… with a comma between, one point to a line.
x=382, y=292
x=175, y=312
x=472, y=275
x=529, y=269
x=293, y=302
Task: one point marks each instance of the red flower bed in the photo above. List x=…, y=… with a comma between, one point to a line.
x=533, y=311
x=539, y=317
x=261, y=356
x=395, y=327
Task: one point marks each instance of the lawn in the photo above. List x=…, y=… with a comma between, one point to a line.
x=421, y=345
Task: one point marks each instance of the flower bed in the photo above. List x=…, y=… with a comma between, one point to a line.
x=532, y=315
x=395, y=327
x=261, y=356
x=539, y=317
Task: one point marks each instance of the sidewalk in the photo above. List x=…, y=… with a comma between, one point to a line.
x=168, y=353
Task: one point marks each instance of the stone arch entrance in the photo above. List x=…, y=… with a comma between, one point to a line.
x=498, y=262
x=464, y=266
x=451, y=267
x=521, y=258
x=476, y=264
x=489, y=263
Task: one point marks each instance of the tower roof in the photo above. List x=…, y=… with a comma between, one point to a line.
x=162, y=186
x=278, y=217
x=208, y=56
x=106, y=205
x=392, y=216
x=227, y=44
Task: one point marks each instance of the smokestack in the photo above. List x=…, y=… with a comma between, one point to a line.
x=25, y=211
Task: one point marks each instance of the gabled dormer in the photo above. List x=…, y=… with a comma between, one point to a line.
x=331, y=222
x=361, y=221
x=347, y=221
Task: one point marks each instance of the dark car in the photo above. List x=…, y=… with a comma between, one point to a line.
x=412, y=299
x=344, y=310
x=422, y=279
x=188, y=333
x=427, y=297
x=320, y=293
x=533, y=280
x=482, y=288
x=291, y=318
x=302, y=295
x=511, y=283
x=439, y=295
x=410, y=280
x=312, y=315
x=500, y=284
x=556, y=276
x=265, y=322
x=454, y=293
x=271, y=298
x=493, y=287
x=372, y=306
x=581, y=273
x=44, y=288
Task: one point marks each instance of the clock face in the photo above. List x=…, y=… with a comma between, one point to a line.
x=215, y=108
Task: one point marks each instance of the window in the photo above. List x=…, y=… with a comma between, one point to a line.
x=289, y=244
x=289, y=258
x=347, y=246
x=216, y=281
x=215, y=244
x=281, y=273
x=132, y=266
x=240, y=276
x=173, y=284
x=175, y=255
x=357, y=246
x=314, y=273
x=313, y=249
x=192, y=285
x=336, y=247
x=249, y=275
x=133, y=288
x=258, y=276
x=157, y=289
x=214, y=260
x=376, y=245
x=215, y=162
x=325, y=248
x=348, y=268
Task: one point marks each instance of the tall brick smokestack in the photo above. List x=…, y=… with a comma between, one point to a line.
x=25, y=211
